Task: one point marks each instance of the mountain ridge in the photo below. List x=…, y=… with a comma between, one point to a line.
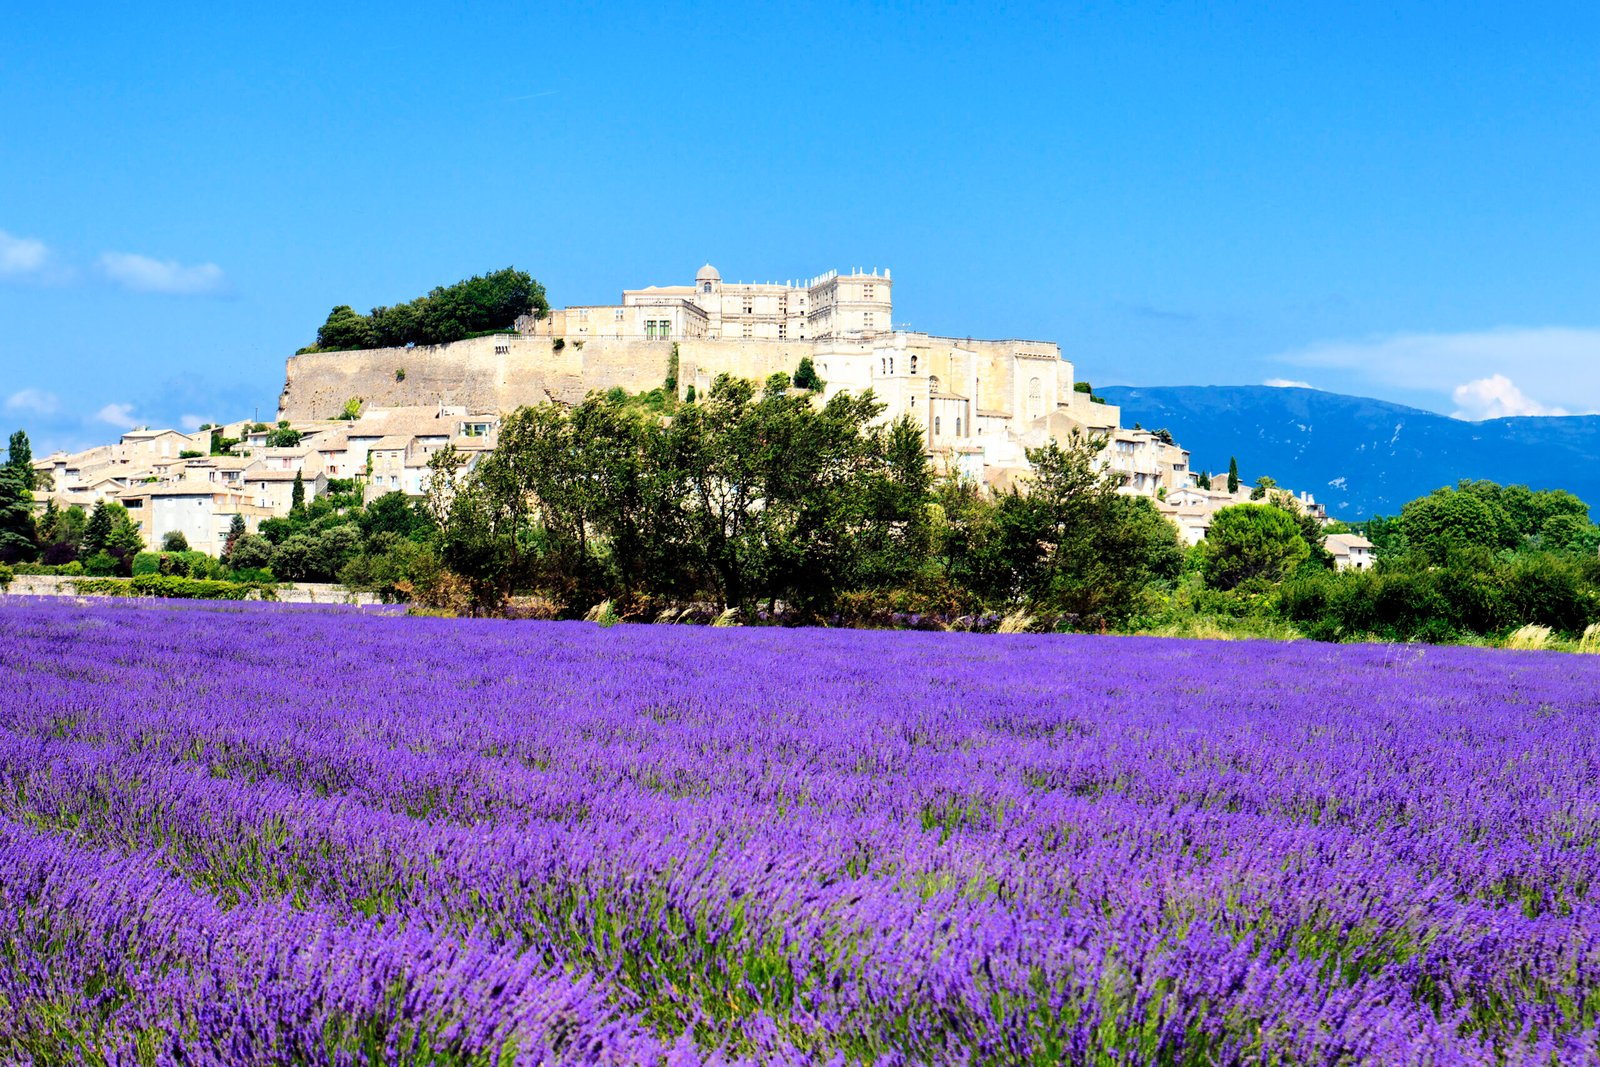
x=1358, y=455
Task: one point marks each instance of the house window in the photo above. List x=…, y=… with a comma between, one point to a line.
x=749, y=309
x=747, y=331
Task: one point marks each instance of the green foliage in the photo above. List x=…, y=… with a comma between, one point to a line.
x=1233, y=475
x=146, y=563
x=19, y=458
x=316, y=556
x=1450, y=520
x=101, y=564
x=1264, y=485
x=1251, y=544
x=283, y=436
x=18, y=538
x=175, y=541
x=6, y=575
x=1204, y=480
x=297, y=496
x=671, y=383
x=166, y=585
x=191, y=453
x=251, y=552
x=351, y=411
x=400, y=374
x=806, y=376
x=481, y=304
x=1082, y=387
x=558, y=344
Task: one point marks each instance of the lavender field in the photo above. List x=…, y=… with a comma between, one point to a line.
x=257, y=835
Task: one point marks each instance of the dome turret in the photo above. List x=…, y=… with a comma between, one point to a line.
x=708, y=273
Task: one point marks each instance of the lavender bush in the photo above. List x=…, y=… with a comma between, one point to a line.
x=252, y=834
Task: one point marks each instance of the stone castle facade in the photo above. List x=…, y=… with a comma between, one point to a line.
x=980, y=403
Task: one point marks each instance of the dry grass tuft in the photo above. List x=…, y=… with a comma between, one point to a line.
x=1531, y=636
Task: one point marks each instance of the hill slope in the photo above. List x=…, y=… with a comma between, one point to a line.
x=1360, y=456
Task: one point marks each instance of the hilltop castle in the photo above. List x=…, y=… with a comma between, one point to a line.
x=980, y=403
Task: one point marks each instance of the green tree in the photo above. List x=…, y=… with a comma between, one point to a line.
x=20, y=459
x=1251, y=544
x=1264, y=485
x=1233, y=475
x=345, y=328
x=1449, y=520
x=98, y=530
x=18, y=540
x=806, y=376
x=1569, y=533
x=250, y=552
x=283, y=436
x=236, y=530
x=297, y=496
x=174, y=541
x=1204, y=480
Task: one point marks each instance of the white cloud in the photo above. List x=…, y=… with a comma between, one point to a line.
x=1286, y=383
x=118, y=415
x=1496, y=397
x=22, y=257
x=1546, y=363
x=36, y=401
x=145, y=275
x=191, y=423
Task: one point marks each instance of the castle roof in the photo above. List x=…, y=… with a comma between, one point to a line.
x=708, y=273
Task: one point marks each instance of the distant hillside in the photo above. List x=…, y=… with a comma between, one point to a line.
x=1359, y=456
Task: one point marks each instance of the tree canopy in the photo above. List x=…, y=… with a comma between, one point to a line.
x=480, y=304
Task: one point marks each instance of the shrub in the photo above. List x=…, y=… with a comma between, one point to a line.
x=100, y=565
x=6, y=574
x=175, y=541
x=147, y=563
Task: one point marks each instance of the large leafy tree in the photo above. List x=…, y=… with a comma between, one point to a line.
x=1447, y=521
x=1249, y=544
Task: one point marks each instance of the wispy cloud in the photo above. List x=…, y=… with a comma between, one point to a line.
x=532, y=96
x=22, y=257
x=34, y=402
x=143, y=274
x=118, y=415
x=1475, y=370
x=1286, y=383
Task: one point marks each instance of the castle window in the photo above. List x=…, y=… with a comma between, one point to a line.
x=783, y=330
x=617, y=314
x=891, y=364
x=913, y=364
x=936, y=426
x=749, y=309
x=705, y=287
x=866, y=292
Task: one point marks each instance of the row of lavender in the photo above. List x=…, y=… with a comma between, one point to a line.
x=262, y=835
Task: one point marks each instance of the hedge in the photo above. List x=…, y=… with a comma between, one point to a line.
x=172, y=586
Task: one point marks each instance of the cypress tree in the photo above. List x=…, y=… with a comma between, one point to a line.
x=297, y=496
x=1233, y=475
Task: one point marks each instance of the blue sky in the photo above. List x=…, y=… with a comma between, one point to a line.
x=1396, y=204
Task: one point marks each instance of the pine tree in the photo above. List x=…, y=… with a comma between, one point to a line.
x=1205, y=480
x=98, y=532
x=17, y=539
x=20, y=459
x=1233, y=475
x=297, y=496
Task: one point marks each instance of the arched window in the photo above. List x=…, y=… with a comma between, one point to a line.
x=891, y=364
x=705, y=287
x=1035, y=399
x=913, y=363
x=933, y=385
x=936, y=426
x=958, y=425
